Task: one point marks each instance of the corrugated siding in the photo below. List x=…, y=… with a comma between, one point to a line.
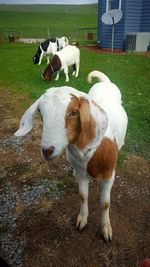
x=136, y=18
x=105, y=31
x=99, y=20
x=101, y=10
x=133, y=15
x=145, y=22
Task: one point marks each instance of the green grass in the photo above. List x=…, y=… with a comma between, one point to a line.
x=129, y=71
x=35, y=20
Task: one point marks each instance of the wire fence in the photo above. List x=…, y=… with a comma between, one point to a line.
x=88, y=34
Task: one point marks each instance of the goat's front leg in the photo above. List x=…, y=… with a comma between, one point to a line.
x=83, y=192
x=106, y=186
x=57, y=76
x=48, y=60
x=66, y=73
x=40, y=59
x=77, y=69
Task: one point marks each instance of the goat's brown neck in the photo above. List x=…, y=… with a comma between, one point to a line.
x=55, y=63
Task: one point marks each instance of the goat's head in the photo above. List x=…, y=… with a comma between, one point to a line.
x=63, y=41
x=66, y=117
x=36, y=57
x=51, y=68
x=47, y=74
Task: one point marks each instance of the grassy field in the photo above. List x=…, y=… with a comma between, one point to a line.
x=39, y=20
x=129, y=71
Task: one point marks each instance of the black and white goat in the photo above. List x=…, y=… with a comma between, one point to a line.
x=48, y=47
x=68, y=56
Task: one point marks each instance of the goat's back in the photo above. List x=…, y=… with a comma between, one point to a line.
x=69, y=54
x=107, y=95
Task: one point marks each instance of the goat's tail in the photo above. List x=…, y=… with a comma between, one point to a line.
x=76, y=44
x=99, y=75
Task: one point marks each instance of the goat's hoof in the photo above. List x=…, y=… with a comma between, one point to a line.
x=81, y=222
x=73, y=73
x=107, y=232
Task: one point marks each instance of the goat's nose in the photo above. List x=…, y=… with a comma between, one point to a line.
x=47, y=152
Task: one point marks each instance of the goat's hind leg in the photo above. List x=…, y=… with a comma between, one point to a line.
x=83, y=192
x=74, y=69
x=106, y=186
x=77, y=69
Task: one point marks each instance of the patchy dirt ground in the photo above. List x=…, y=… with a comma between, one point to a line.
x=97, y=49
x=39, y=205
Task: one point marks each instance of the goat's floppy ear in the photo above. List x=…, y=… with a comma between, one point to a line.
x=88, y=123
x=85, y=115
x=26, y=123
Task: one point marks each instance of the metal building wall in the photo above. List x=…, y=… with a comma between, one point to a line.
x=145, y=22
x=136, y=18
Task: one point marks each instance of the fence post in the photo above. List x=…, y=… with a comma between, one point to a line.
x=78, y=33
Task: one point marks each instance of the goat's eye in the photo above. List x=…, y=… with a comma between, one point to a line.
x=74, y=113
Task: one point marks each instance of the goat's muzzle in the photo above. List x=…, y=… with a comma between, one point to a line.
x=45, y=76
x=47, y=152
x=35, y=60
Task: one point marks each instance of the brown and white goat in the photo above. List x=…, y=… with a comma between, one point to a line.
x=91, y=128
x=68, y=56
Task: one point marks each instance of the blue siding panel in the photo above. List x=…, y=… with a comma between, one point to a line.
x=133, y=14
x=136, y=18
x=145, y=22
x=105, y=31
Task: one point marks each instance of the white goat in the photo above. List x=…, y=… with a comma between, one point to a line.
x=91, y=127
x=69, y=55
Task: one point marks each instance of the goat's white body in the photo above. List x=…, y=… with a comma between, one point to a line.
x=108, y=97
x=69, y=55
x=51, y=49
x=106, y=108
